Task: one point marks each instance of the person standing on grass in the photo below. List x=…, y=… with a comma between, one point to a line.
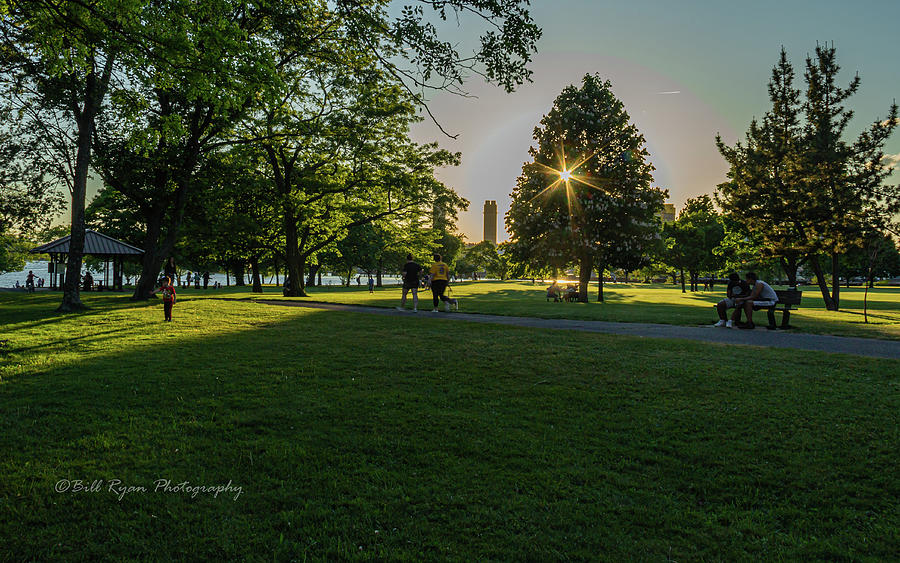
x=205, y=280
x=411, y=272
x=168, y=295
x=371, y=284
x=440, y=277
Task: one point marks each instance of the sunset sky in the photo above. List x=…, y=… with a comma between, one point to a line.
x=685, y=71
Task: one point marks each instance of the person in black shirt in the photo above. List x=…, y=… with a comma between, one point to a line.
x=411, y=272
x=736, y=288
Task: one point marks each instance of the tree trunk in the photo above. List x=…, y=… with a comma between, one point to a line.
x=682, y=281
x=790, y=266
x=302, y=276
x=870, y=282
x=238, y=271
x=254, y=268
x=835, y=280
x=311, y=278
x=586, y=266
x=150, y=261
x=292, y=266
x=378, y=272
x=600, y=270
x=71, y=300
x=694, y=280
x=823, y=284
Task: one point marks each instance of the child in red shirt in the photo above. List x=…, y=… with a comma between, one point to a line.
x=168, y=294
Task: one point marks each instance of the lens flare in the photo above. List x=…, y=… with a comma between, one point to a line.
x=565, y=177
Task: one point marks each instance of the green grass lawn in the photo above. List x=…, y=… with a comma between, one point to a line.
x=633, y=303
x=364, y=437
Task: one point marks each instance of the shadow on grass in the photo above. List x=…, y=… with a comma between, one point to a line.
x=346, y=438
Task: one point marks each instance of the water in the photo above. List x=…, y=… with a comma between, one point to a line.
x=39, y=267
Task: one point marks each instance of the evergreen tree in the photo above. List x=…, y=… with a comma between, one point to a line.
x=765, y=196
x=796, y=187
x=843, y=180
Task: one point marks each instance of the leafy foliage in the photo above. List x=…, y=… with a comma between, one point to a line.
x=608, y=207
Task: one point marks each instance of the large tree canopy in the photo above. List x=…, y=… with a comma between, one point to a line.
x=587, y=197
x=797, y=186
x=142, y=93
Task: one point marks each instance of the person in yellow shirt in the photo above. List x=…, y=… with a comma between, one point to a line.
x=440, y=277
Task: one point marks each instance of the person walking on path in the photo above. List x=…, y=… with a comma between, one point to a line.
x=168, y=295
x=411, y=272
x=440, y=277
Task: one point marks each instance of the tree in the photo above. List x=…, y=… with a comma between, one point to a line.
x=339, y=157
x=587, y=193
x=876, y=257
x=843, y=179
x=58, y=63
x=797, y=188
x=765, y=198
x=482, y=257
x=692, y=239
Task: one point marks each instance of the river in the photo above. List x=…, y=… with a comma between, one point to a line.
x=39, y=267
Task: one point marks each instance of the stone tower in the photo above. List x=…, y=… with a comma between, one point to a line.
x=490, y=221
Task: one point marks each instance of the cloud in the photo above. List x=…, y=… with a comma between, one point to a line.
x=891, y=160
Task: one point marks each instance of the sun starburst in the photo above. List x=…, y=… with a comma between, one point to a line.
x=566, y=175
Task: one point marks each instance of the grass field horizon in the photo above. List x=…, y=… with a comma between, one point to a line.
x=646, y=303
x=361, y=437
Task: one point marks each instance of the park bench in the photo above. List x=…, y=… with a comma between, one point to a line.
x=786, y=299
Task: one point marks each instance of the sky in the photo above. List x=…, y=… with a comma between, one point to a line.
x=685, y=71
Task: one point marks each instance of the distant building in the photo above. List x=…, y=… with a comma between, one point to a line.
x=490, y=221
x=667, y=215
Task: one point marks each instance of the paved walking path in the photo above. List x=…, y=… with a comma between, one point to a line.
x=871, y=347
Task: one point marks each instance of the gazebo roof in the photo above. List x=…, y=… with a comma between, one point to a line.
x=96, y=244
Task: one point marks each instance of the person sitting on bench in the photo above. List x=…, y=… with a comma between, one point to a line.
x=736, y=288
x=761, y=295
x=553, y=292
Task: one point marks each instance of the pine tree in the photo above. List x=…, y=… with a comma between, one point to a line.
x=796, y=187
x=844, y=180
x=765, y=193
